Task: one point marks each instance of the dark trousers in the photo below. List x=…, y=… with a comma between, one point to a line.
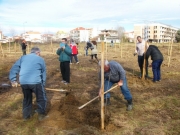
x=24, y=52
x=65, y=71
x=75, y=57
x=141, y=62
x=94, y=55
x=124, y=89
x=156, y=65
x=41, y=99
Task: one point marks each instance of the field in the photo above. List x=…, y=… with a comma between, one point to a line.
x=156, y=105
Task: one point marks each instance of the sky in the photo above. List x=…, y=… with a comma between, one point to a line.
x=50, y=16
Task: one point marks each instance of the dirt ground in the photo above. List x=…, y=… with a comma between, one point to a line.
x=156, y=105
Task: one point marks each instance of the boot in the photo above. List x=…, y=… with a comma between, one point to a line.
x=107, y=101
x=130, y=105
x=42, y=117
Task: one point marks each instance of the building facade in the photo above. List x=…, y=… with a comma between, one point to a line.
x=109, y=35
x=32, y=36
x=1, y=35
x=158, y=32
x=129, y=36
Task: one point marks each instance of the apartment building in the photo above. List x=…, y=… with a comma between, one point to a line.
x=81, y=34
x=158, y=32
x=110, y=35
x=129, y=36
x=0, y=35
x=32, y=36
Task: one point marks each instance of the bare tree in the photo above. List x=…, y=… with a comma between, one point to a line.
x=12, y=32
x=120, y=31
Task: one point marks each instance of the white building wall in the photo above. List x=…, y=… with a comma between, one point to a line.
x=84, y=35
x=0, y=35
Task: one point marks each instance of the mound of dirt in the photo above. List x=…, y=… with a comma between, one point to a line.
x=88, y=116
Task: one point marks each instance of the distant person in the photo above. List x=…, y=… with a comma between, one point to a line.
x=114, y=73
x=140, y=49
x=74, y=49
x=112, y=44
x=64, y=53
x=94, y=50
x=88, y=45
x=32, y=76
x=157, y=59
x=24, y=45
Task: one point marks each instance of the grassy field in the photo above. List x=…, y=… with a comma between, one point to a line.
x=156, y=105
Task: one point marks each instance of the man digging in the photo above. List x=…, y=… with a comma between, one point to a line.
x=32, y=76
x=114, y=73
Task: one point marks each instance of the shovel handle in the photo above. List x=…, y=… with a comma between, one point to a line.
x=96, y=98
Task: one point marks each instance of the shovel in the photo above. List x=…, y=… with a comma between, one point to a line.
x=96, y=98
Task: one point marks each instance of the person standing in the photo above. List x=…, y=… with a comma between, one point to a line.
x=112, y=44
x=114, y=73
x=74, y=52
x=94, y=50
x=24, y=45
x=140, y=49
x=157, y=59
x=32, y=76
x=64, y=53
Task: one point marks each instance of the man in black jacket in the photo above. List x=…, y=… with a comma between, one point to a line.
x=157, y=59
x=23, y=45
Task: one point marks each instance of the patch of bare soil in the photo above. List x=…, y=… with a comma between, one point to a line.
x=156, y=105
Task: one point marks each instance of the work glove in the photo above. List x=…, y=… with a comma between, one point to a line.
x=14, y=84
x=135, y=54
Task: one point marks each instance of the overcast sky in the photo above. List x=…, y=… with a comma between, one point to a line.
x=53, y=15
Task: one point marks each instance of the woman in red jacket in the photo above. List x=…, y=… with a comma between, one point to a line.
x=74, y=52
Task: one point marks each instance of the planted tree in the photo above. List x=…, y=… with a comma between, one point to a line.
x=177, y=36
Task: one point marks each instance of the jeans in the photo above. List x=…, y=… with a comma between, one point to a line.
x=141, y=62
x=24, y=52
x=86, y=52
x=41, y=99
x=124, y=89
x=65, y=71
x=156, y=65
x=75, y=57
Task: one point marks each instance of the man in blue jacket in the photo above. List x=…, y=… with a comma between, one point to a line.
x=64, y=53
x=114, y=73
x=32, y=76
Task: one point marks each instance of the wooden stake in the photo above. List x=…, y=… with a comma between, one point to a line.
x=102, y=84
x=121, y=48
x=169, y=60
x=51, y=45
x=15, y=48
x=144, y=63
x=1, y=50
x=106, y=49
x=9, y=47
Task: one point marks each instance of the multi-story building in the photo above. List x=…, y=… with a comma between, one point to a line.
x=32, y=36
x=156, y=31
x=61, y=34
x=129, y=36
x=81, y=34
x=0, y=35
x=110, y=35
